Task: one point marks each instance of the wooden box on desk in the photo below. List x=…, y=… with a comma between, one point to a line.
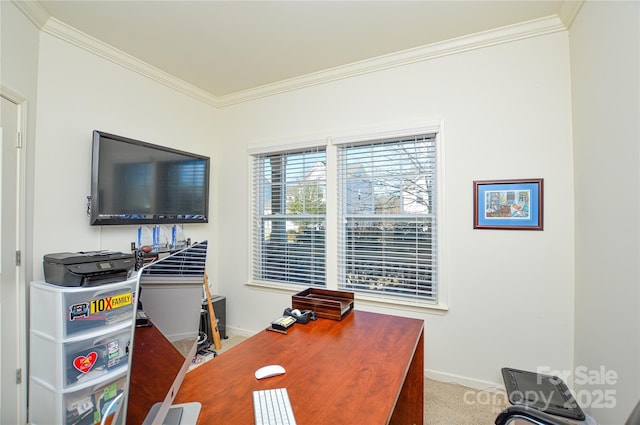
x=326, y=303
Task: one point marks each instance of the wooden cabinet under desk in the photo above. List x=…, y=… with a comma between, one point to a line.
x=365, y=369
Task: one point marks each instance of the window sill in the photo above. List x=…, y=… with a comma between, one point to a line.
x=362, y=299
x=397, y=304
x=277, y=287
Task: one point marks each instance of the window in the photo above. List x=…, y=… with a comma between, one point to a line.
x=289, y=201
x=386, y=207
x=379, y=193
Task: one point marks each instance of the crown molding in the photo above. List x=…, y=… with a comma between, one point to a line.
x=569, y=10
x=34, y=11
x=84, y=41
x=39, y=16
x=480, y=40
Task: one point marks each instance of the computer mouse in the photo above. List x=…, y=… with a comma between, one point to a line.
x=269, y=371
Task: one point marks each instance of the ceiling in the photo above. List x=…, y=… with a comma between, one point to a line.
x=227, y=47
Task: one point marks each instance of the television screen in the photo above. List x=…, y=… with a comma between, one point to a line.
x=134, y=182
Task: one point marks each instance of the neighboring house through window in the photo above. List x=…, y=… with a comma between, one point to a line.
x=386, y=208
x=289, y=217
x=385, y=201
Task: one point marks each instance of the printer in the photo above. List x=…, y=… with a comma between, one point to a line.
x=91, y=268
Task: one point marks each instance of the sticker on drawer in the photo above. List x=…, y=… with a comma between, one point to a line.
x=88, y=359
x=85, y=363
x=110, y=303
x=113, y=353
x=85, y=309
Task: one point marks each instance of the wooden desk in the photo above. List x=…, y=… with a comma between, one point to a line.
x=366, y=369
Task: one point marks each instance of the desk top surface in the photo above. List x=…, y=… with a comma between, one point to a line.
x=349, y=371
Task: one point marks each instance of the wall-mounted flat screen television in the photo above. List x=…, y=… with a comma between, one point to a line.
x=135, y=182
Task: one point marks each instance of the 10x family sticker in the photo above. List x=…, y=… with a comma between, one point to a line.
x=85, y=309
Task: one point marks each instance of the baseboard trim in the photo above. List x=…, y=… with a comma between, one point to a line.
x=234, y=330
x=475, y=384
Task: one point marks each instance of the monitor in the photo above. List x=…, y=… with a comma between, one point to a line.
x=136, y=182
x=160, y=356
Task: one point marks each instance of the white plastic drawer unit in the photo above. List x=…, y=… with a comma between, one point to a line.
x=84, y=405
x=79, y=349
x=82, y=360
x=80, y=310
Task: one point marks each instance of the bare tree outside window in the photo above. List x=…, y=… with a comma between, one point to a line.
x=387, y=222
x=387, y=243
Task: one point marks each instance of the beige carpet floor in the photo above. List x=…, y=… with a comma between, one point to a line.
x=444, y=403
x=453, y=404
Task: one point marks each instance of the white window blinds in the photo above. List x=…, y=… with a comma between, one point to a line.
x=289, y=210
x=387, y=214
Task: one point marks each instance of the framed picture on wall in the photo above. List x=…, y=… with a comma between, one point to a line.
x=508, y=204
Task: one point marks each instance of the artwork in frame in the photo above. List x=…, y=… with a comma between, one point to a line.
x=508, y=204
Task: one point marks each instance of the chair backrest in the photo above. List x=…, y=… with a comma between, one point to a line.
x=517, y=415
x=522, y=415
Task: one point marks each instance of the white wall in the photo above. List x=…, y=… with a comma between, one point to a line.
x=19, y=73
x=77, y=93
x=605, y=48
x=506, y=114
x=18, y=77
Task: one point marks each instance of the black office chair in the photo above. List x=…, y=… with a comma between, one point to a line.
x=528, y=410
x=529, y=415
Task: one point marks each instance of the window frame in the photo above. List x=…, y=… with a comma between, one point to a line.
x=387, y=245
x=331, y=143
x=258, y=218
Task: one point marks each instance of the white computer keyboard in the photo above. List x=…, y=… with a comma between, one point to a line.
x=272, y=407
